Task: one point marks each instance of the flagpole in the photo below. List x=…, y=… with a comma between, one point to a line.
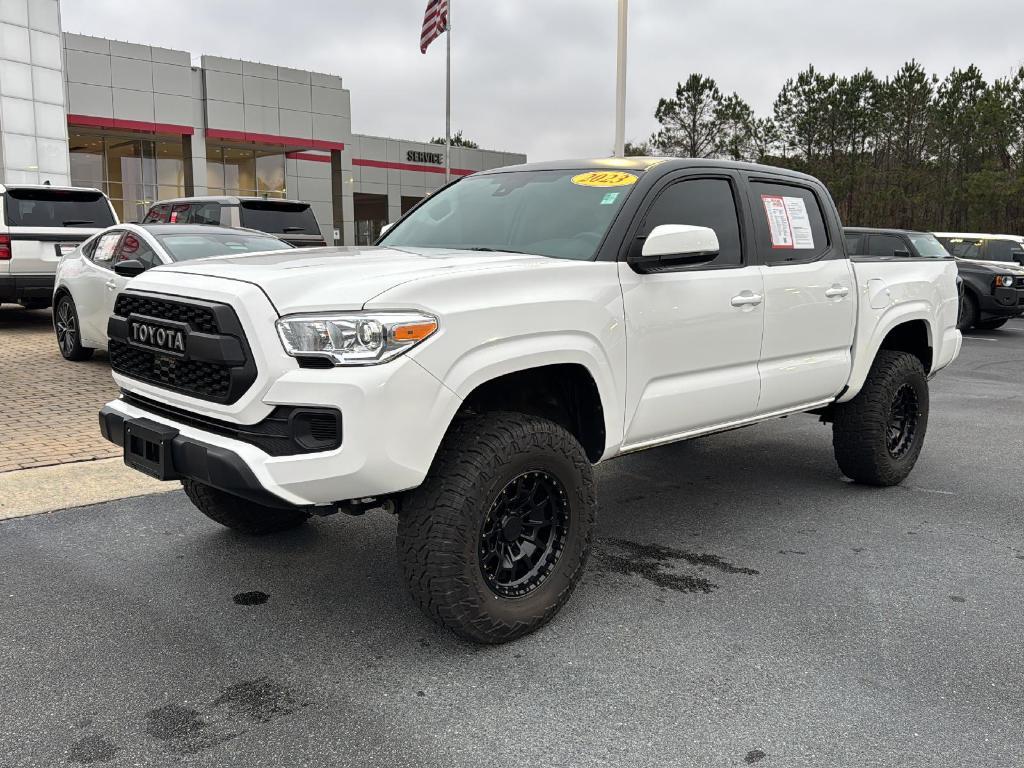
x=620, y=81
x=448, y=101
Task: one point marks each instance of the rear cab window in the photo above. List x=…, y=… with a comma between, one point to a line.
x=279, y=218
x=887, y=246
x=57, y=208
x=789, y=224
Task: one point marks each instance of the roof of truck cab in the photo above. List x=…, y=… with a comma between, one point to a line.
x=643, y=164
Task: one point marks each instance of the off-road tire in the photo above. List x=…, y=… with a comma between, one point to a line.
x=991, y=325
x=968, y=316
x=860, y=431
x=441, y=524
x=65, y=321
x=239, y=514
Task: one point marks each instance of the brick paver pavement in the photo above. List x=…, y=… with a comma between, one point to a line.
x=48, y=407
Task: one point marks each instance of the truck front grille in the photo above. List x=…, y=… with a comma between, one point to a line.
x=217, y=364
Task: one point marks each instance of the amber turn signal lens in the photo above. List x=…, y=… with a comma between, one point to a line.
x=413, y=331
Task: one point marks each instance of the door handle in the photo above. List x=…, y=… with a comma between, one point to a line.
x=111, y=284
x=837, y=292
x=747, y=299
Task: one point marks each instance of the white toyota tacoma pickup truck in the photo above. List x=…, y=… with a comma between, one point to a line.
x=513, y=330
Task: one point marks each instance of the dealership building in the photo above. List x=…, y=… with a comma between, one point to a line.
x=144, y=123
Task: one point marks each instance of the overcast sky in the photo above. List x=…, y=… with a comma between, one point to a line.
x=538, y=76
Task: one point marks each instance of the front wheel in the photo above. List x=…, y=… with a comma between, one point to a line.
x=494, y=541
x=968, y=315
x=878, y=435
x=67, y=328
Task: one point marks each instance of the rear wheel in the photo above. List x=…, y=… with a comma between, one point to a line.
x=968, y=316
x=239, y=514
x=878, y=435
x=66, y=326
x=494, y=541
x=991, y=325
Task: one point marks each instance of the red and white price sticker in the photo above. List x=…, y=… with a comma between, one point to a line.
x=788, y=222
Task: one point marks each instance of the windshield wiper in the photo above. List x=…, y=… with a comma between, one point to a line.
x=76, y=222
x=292, y=229
x=486, y=249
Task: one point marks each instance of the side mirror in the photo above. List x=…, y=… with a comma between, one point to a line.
x=1018, y=256
x=129, y=268
x=901, y=253
x=384, y=230
x=675, y=245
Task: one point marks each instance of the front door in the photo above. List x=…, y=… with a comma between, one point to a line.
x=694, y=333
x=810, y=295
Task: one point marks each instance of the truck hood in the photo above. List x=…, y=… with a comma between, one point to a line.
x=1005, y=267
x=337, y=278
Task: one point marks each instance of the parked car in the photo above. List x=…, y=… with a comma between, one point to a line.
x=39, y=224
x=290, y=220
x=90, y=277
x=992, y=268
x=510, y=331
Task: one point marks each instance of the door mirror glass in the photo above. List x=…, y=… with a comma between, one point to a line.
x=901, y=253
x=1018, y=256
x=671, y=245
x=129, y=268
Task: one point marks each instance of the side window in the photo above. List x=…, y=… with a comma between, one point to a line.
x=965, y=249
x=854, y=244
x=90, y=247
x=179, y=213
x=106, y=244
x=702, y=203
x=158, y=214
x=205, y=213
x=135, y=247
x=788, y=223
x=888, y=246
x=999, y=250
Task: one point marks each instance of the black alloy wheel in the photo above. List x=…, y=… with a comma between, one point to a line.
x=903, y=417
x=523, y=534
x=67, y=327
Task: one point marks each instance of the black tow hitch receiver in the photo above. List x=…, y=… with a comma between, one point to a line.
x=148, y=448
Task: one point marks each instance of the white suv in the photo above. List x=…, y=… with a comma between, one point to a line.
x=38, y=225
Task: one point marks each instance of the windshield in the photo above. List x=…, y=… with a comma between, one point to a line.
x=929, y=247
x=57, y=208
x=563, y=214
x=199, y=246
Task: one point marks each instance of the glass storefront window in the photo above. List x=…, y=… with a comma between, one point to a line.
x=133, y=171
x=270, y=179
x=232, y=170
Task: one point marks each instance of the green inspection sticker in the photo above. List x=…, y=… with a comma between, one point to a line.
x=610, y=198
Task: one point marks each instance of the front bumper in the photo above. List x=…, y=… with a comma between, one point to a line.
x=1003, y=302
x=394, y=417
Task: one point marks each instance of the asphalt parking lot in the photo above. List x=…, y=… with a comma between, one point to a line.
x=744, y=605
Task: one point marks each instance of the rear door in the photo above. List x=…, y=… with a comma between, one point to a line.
x=96, y=285
x=810, y=294
x=46, y=223
x=693, y=333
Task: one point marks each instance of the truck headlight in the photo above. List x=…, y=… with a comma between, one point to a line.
x=1004, y=281
x=356, y=338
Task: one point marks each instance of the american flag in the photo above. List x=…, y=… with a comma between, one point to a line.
x=435, y=22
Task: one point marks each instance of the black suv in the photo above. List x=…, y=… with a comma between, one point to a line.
x=991, y=293
x=992, y=268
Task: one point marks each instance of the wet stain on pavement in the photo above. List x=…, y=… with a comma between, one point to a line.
x=92, y=749
x=792, y=552
x=260, y=700
x=251, y=598
x=183, y=730
x=754, y=756
x=958, y=599
x=653, y=562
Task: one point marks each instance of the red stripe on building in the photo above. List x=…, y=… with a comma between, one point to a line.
x=308, y=156
x=411, y=167
x=88, y=121
x=267, y=138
